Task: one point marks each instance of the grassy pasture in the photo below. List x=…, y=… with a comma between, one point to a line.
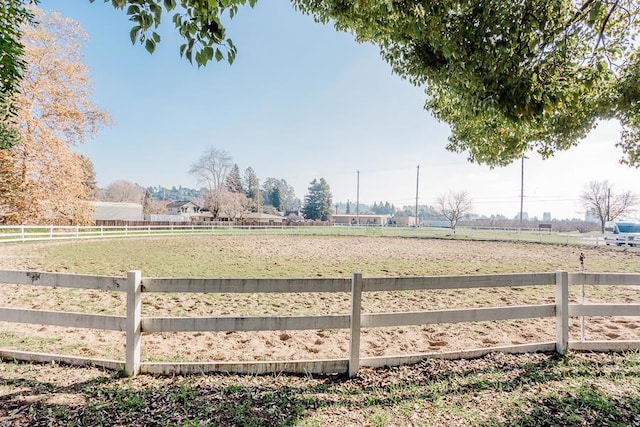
x=537, y=389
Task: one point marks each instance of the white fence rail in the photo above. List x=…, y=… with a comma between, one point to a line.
x=23, y=233
x=134, y=324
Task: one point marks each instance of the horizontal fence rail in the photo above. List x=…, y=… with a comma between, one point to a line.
x=38, y=278
x=254, y=323
x=134, y=325
x=246, y=285
x=56, y=318
x=621, y=279
x=458, y=316
x=456, y=282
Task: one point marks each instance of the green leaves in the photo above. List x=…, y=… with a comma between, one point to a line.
x=14, y=14
x=150, y=45
x=198, y=22
x=134, y=33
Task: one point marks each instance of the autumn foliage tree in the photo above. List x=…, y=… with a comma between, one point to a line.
x=42, y=179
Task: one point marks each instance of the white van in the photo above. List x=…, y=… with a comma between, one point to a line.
x=622, y=233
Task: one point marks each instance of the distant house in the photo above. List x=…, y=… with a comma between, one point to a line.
x=263, y=219
x=204, y=215
x=366, y=219
x=185, y=208
x=117, y=211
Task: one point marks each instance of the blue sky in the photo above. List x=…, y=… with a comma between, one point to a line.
x=303, y=101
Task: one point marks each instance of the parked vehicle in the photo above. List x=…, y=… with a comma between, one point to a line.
x=621, y=233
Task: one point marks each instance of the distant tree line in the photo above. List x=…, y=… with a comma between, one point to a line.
x=228, y=192
x=173, y=194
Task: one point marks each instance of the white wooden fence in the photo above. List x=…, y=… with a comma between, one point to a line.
x=134, y=324
x=25, y=233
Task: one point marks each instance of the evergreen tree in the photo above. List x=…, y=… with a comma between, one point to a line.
x=234, y=180
x=274, y=199
x=348, y=211
x=252, y=188
x=317, y=203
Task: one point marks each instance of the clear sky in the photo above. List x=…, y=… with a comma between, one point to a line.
x=303, y=101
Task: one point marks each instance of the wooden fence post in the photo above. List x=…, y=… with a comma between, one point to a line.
x=356, y=308
x=134, y=316
x=562, y=311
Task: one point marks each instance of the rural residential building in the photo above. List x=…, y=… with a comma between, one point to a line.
x=367, y=219
x=263, y=219
x=183, y=207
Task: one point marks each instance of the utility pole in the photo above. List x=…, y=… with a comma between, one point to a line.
x=608, y=204
x=417, y=183
x=521, y=189
x=358, y=198
x=259, y=200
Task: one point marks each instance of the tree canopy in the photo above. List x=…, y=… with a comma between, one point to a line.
x=507, y=76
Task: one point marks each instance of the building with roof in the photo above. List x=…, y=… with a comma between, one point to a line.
x=183, y=207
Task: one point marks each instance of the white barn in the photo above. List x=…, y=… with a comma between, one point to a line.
x=106, y=211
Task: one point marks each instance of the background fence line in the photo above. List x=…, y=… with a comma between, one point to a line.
x=24, y=233
x=134, y=324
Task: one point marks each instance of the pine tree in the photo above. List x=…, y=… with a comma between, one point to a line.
x=317, y=203
x=274, y=198
x=234, y=180
x=252, y=188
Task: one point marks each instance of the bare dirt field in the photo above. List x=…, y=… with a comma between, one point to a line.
x=295, y=256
